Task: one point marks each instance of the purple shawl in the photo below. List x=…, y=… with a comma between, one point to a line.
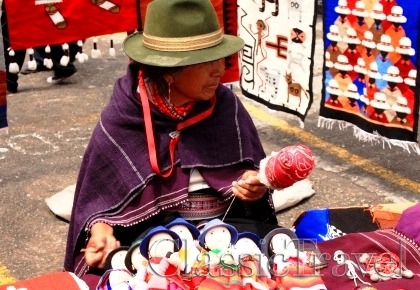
x=116, y=183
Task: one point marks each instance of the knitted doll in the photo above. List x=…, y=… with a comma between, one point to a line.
x=137, y=264
x=116, y=276
x=289, y=264
x=253, y=264
x=160, y=247
x=188, y=251
x=220, y=261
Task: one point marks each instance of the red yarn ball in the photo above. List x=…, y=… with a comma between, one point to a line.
x=290, y=165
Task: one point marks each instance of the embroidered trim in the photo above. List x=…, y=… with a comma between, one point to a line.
x=182, y=43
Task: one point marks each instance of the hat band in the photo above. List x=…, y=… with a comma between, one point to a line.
x=182, y=43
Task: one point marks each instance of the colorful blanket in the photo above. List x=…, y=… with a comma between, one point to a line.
x=276, y=63
x=370, y=69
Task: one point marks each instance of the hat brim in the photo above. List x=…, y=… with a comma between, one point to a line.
x=252, y=236
x=232, y=230
x=351, y=40
x=134, y=49
x=360, y=13
x=334, y=37
x=334, y=91
x=350, y=95
x=378, y=16
x=387, y=48
x=144, y=244
x=410, y=82
x=409, y=51
x=359, y=69
x=181, y=222
x=374, y=75
x=369, y=44
x=108, y=259
x=388, y=78
x=346, y=67
x=397, y=19
x=345, y=11
x=133, y=246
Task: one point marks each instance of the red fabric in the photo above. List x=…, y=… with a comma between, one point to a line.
x=50, y=281
x=83, y=20
x=291, y=164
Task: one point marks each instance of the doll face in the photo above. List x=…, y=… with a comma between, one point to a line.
x=117, y=260
x=137, y=260
x=160, y=244
x=184, y=233
x=218, y=238
x=247, y=246
x=282, y=243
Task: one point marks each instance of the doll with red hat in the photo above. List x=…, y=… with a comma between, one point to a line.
x=160, y=247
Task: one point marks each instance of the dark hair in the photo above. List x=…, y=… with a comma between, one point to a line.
x=155, y=74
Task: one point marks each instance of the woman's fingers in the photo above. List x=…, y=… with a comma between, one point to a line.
x=97, y=251
x=247, y=191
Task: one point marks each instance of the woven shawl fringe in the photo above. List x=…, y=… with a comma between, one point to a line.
x=364, y=136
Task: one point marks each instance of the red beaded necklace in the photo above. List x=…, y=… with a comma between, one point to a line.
x=165, y=106
x=175, y=135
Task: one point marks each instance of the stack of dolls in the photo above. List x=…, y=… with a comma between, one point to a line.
x=179, y=256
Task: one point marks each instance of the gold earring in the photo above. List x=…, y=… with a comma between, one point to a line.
x=169, y=92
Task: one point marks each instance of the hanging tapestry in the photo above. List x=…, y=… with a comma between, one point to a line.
x=3, y=90
x=370, y=69
x=276, y=63
x=61, y=21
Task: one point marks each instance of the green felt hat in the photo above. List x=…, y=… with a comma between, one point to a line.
x=179, y=33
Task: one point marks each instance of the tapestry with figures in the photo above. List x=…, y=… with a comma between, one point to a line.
x=276, y=63
x=370, y=69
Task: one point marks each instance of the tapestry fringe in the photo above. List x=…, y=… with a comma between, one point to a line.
x=40, y=2
x=364, y=136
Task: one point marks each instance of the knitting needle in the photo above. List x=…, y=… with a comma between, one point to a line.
x=90, y=251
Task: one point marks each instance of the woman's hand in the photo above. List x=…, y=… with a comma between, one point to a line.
x=249, y=188
x=101, y=242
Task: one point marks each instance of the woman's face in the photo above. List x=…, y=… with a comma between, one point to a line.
x=196, y=82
